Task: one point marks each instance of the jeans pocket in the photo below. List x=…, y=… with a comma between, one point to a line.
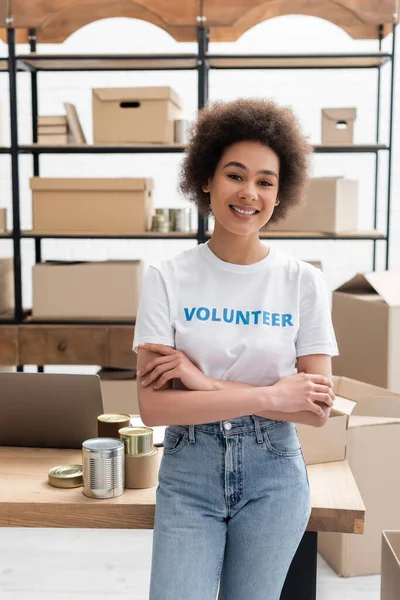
x=282, y=439
x=174, y=439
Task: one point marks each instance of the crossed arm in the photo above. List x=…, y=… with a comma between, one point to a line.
x=214, y=399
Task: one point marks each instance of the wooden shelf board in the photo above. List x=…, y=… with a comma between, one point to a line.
x=83, y=235
x=102, y=148
x=170, y=148
x=298, y=62
x=106, y=63
x=5, y=234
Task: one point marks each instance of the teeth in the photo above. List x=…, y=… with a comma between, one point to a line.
x=244, y=212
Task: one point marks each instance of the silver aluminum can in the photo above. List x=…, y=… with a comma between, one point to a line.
x=183, y=219
x=103, y=467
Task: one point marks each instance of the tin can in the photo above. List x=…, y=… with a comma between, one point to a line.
x=103, y=467
x=138, y=440
x=160, y=223
x=108, y=425
x=66, y=476
x=183, y=219
x=181, y=131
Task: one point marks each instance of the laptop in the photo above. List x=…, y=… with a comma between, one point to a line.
x=48, y=410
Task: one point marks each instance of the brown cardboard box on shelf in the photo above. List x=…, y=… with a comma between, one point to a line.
x=52, y=120
x=119, y=392
x=141, y=115
x=330, y=207
x=337, y=125
x=6, y=285
x=366, y=319
x=53, y=139
x=102, y=290
x=373, y=453
x=89, y=205
x=390, y=573
x=3, y=219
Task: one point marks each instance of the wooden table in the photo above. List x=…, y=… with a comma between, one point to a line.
x=26, y=500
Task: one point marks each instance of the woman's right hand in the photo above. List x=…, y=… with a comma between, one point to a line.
x=301, y=391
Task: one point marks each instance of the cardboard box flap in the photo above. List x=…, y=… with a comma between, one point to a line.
x=353, y=390
x=361, y=421
x=340, y=114
x=137, y=94
x=387, y=285
x=359, y=284
x=95, y=184
x=375, y=406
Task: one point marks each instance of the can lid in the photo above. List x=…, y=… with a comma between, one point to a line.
x=66, y=476
x=136, y=430
x=113, y=418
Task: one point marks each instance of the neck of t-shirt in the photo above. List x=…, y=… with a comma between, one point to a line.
x=222, y=265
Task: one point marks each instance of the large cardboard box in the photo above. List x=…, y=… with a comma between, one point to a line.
x=366, y=319
x=330, y=207
x=142, y=115
x=6, y=285
x=95, y=206
x=337, y=125
x=328, y=443
x=103, y=290
x=390, y=575
x=119, y=391
x=373, y=453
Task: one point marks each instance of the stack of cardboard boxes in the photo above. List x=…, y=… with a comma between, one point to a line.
x=52, y=130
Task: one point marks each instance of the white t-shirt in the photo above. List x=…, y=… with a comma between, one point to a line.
x=244, y=323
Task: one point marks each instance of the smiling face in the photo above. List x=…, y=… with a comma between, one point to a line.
x=246, y=179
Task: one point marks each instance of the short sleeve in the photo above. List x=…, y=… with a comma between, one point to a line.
x=153, y=322
x=316, y=334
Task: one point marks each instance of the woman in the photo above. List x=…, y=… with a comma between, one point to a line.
x=225, y=324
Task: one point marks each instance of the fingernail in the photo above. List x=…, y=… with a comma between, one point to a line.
x=138, y=372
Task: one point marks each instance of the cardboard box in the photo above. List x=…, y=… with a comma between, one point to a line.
x=324, y=444
x=366, y=320
x=390, y=576
x=331, y=206
x=6, y=285
x=373, y=453
x=53, y=140
x=51, y=120
x=142, y=115
x=110, y=206
x=103, y=290
x=315, y=263
x=337, y=125
x=328, y=443
x=119, y=391
x=3, y=219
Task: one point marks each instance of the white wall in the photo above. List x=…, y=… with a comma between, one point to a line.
x=306, y=91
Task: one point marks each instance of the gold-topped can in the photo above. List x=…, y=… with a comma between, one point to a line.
x=109, y=424
x=138, y=440
x=66, y=476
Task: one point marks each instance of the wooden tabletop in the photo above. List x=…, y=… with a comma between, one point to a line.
x=27, y=500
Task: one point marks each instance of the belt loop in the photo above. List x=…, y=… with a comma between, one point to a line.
x=191, y=434
x=259, y=436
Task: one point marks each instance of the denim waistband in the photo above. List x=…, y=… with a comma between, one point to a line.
x=245, y=424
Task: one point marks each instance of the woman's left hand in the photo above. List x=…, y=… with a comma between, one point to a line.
x=174, y=364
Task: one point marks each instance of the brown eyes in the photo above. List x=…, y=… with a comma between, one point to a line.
x=236, y=177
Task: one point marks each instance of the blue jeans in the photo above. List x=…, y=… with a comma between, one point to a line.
x=232, y=505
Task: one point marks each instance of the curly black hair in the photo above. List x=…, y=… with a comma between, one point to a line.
x=221, y=124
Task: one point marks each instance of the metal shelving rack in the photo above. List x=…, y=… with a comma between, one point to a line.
x=201, y=62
